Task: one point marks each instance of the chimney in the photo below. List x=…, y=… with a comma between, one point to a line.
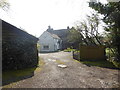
x=49, y=28
x=68, y=27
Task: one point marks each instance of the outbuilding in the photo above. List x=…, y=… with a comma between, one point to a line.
x=19, y=49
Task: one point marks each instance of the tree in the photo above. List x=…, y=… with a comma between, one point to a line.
x=89, y=30
x=111, y=12
x=86, y=32
x=4, y=5
x=74, y=38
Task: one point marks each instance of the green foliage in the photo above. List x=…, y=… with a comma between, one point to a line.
x=74, y=37
x=19, y=53
x=4, y=5
x=105, y=64
x=38, y=46
x=109, y=52
x=16, y=75
x=111, y=12
x=111, y=57
x=10, y=74
x=88, y=30
x=116, y=63
x=69, y=50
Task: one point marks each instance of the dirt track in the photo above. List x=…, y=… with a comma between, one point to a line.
x=75, y=75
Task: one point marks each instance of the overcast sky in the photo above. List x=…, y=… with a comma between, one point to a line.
x=35, y=15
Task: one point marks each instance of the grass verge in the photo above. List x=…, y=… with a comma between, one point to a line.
x=104, y=64
x=69, y=50
x=13, y=76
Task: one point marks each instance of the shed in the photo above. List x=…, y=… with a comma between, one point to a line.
x=19, y=49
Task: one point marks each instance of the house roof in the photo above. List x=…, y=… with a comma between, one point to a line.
x=62, y=33
x=54, y=35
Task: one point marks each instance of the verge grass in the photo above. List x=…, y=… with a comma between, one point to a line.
x=69, y=50
x=104, y=64
x=11, y=76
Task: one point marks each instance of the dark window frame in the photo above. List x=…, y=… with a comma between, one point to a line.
x=46, y=47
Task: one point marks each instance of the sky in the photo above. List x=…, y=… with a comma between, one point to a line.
x=34, y=16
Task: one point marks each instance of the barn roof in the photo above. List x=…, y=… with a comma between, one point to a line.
x=9, y=27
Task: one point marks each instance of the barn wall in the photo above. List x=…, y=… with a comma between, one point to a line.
x=0, y=52
x=19, y=49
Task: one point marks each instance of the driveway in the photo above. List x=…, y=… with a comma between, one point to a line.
x=61, y=71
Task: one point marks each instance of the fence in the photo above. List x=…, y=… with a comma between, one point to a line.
x=90, y=53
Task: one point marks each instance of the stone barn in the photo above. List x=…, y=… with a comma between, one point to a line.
x=19, y=49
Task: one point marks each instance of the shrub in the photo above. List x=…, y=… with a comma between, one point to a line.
x=69, y=50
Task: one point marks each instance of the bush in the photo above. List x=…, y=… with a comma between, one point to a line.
x=69, y=50
x=116, y=63
x=19, y=53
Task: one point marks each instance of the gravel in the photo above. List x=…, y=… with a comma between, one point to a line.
x=74, y=75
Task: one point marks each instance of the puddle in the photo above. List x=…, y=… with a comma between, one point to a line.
x=62, y=66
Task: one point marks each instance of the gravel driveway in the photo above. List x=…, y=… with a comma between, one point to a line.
x=72, y=75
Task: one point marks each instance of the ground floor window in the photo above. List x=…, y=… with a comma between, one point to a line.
x=46, y=47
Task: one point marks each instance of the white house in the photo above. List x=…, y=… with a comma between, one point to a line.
x=49, y=42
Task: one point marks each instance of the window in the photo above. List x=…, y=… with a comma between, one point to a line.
x=46, y=47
